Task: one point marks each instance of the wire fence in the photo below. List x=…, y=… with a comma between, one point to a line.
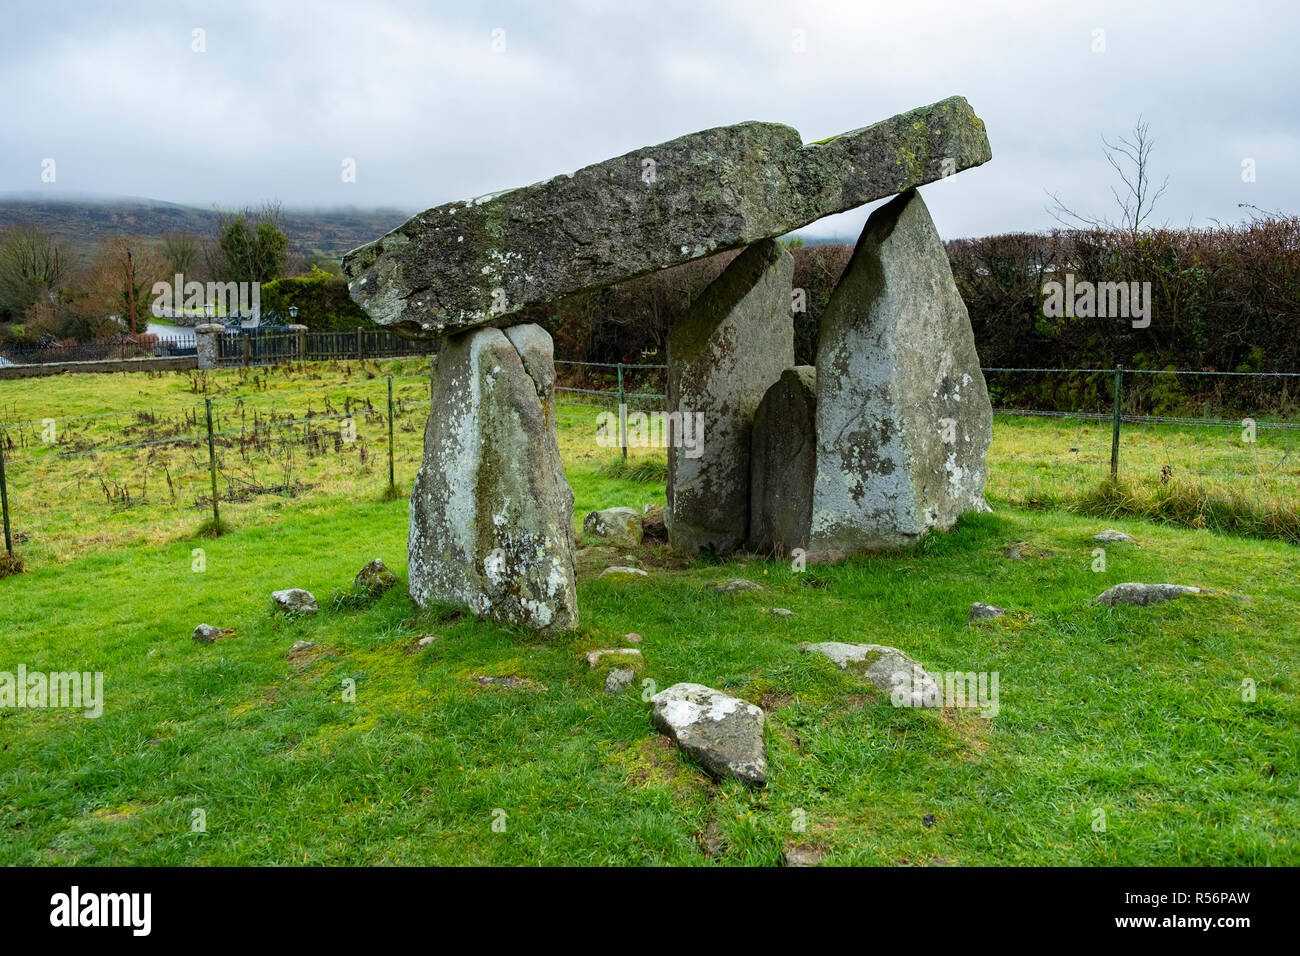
x=281, y=433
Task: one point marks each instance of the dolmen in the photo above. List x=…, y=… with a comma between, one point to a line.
x=880, y=442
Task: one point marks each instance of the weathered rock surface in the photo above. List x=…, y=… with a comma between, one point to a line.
x=295, y=601
x=208, y=634
x=618, y=678
x=1141, y=595
x=723, y=734
x=735, y=586
x=465, y=263
x=1111, y=536
x=723, y=355
x=492, y=512
x=783, y=463
x=621, y=571
x=981, y=612
x=374, y=578
x=617, y=527
x=903, y=415
x=888, y=668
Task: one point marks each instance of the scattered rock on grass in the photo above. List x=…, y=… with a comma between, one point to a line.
x=1142, y=595
x=375, y=578
x=1110, y=536
x=618, y=571
x=619, y=527
x=780, y=612
x=735, y=586
x=632, y=638
x=888, y=668
x=207, y=634
x=980, y=612
x=426, y=640
x=300, y=647
x=802, y=854
x=721, y=733
x=618, y=678
x=593, y=657
x=652, y=523
x=295, y=600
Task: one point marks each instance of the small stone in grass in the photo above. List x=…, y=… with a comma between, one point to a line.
x=980, y=612
x=617, y=679
x=780, y=612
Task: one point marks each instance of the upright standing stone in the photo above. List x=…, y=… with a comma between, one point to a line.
x=903, y=415
x=206, y=346
x=492, y=512
x=732, y=344
x=783, y=463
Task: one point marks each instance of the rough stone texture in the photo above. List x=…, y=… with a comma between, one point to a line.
x=735, y=586
x=375, y=578
x=783, y=463
x=888, y=668
x=207, y=634
x=594, y=657
x=1111, y=536
x=618, y=527
x=619, y=571
x=723, y=734
x=980, y=612
x=465, y=263
x=1141, y=595
x=652, y=523
x=492, y=512
x=780, y=612
x=295, y=600
x=205, y=341
x=723, y=355
x=801, y=854
x=618, y=678
x=897, y=376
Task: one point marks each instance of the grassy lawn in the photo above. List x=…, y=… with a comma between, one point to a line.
x=1136, y=712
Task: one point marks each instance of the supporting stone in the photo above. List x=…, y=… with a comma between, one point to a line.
x=206, y=344
x=783, y=464
x=299, y=333
x=492, y=512
x=732, y=344
x=903, y=415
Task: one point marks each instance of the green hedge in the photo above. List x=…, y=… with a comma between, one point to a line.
x=322, y=300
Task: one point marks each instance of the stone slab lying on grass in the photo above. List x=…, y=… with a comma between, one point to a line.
x=374, y=578
x=982, y=612
x=594, y=657
x=618, y=571
x=617, y=527
x=735, y=586
x=295, y=600
x=1142, y=595
x=1111, y=536
x=888, y=668
x=723, y=734
x=469, y=262
x=780, y=612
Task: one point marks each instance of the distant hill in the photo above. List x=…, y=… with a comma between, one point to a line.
x=79, y=224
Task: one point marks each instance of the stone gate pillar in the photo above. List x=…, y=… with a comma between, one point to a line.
x=206, y=344
x=732, y=344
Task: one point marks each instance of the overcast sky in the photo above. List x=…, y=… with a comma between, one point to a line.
x=415, y=93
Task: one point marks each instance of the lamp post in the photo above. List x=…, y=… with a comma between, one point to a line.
x=293, y=312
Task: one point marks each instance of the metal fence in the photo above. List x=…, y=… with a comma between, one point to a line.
x=249, y=347
x=148, y=347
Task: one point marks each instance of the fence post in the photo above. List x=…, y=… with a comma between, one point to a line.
x=361, y=352
x=248, y=349
x=622, y=419
x=212, y=468
x=1114, y=428
x=4, y=501
x=392, y=482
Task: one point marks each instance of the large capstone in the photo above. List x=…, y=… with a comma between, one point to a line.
x=465, y=263
x=723, y=354
x=903, y=415
x=492, y=512
x=783, y=463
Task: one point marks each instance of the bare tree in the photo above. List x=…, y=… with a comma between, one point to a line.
x=1131, y=159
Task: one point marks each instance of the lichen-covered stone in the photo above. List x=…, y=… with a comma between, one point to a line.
x=903, y=415
x=618, y=527
x=721, y=733
x=468, y=262
x=1143, y=595
x=783, y=463
x=723, y=355
x=374, y=578
x=892, y=671
x=492, y=512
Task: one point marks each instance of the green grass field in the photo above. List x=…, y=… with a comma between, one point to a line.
x=1135, y=712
